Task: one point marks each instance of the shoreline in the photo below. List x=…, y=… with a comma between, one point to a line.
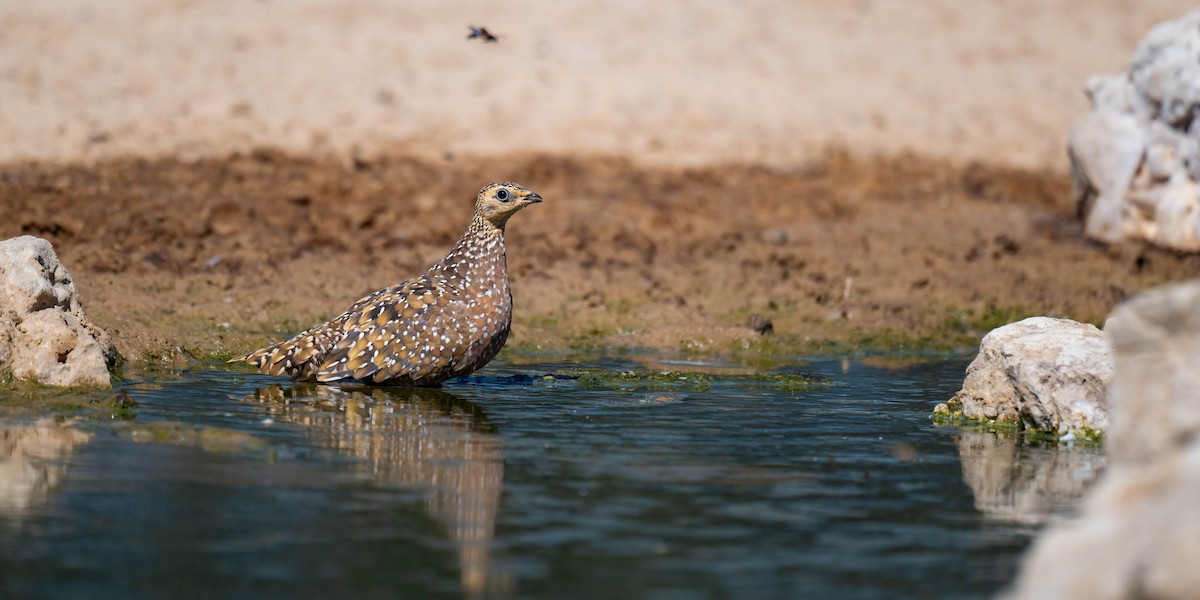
x=844, y=254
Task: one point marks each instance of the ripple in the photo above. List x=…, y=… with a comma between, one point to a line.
x=508, y=484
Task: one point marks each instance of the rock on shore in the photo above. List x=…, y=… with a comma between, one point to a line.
x=1135, y=157
x=1049, y=374
x=44, y=334
x=1138, y=535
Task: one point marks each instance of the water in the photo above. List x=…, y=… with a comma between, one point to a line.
x=508, y=485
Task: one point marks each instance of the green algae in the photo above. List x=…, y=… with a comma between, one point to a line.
x=21, y=399
x=950, y=413
x=937, y=332
x=174, y=433
x=211, y=356
x=652, y=380
x=599, y=379
x=779, y=381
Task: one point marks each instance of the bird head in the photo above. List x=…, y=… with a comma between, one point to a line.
x=499, y=201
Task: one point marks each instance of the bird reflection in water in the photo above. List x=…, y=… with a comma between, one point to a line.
x=413, y=436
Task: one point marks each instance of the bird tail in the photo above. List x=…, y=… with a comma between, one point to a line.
x=258, y=358
x=299, y=357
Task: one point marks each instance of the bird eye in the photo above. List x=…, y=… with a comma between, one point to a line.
x=502, y=195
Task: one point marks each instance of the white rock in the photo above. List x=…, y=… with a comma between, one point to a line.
x=1155, y=399
x=44, y=333
x=1138, y=535
x=1050, y=374
x=1135, y=158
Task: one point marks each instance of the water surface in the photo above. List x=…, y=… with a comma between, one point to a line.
x=511, y=485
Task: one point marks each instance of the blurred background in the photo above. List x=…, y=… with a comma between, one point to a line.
x=671, y=82
x=222, y=173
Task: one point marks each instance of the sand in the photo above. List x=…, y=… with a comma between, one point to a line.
x=675, y=82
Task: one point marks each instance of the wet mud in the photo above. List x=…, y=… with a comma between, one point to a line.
x=843, y=254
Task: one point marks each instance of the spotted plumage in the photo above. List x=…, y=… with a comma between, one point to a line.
x=448, y=322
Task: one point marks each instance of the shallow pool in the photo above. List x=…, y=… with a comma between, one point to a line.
x=510, y=484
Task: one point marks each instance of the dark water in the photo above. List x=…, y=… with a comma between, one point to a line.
x=508, y=485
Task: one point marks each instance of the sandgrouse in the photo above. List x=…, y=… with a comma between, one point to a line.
x=448, y=322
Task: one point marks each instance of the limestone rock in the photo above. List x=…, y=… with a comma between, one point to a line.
x=1050, y=374
x=44, y=333
x=1136, y=538
x=1155, y=398
x=1138, y=535
x=1135, y=158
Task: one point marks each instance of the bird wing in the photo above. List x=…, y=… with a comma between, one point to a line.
x=302, y=355
x=412, y=331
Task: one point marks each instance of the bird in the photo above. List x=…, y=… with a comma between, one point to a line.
x=481, y=33
x=448, y=322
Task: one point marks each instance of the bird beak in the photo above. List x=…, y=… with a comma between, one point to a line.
x=533, y=198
